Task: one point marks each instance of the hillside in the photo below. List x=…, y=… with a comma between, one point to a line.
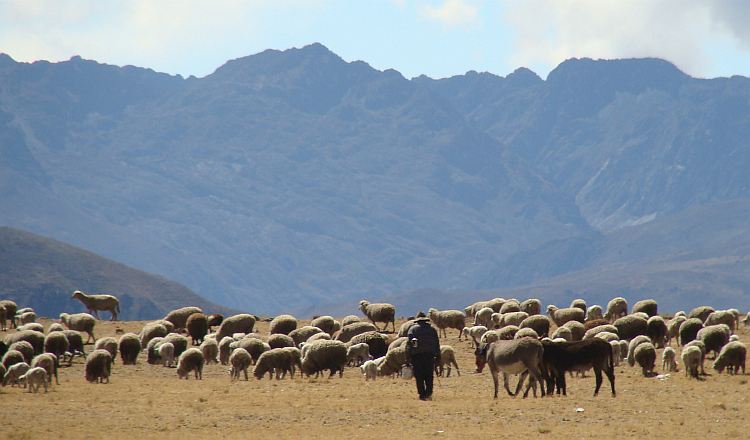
x=42, y=273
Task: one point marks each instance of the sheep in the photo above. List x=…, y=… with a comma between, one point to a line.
x=475, y=332
x=594, y=312
x=519, y=356
x=714, y=337
x=668, y=360
x=238, y=323
x=701, y=313
x=166, y=353
x=82, y=322
x=580, y=303
x=197, y=327
x=13, y=372
x=634, y=343
x=398, y=342
x=11, y=308
x=95, y=303
x=561, y=316
x=26, y=318
x=318, y=336
x=379, y=312
x=150, y=331
x=489, y=337
x=560, y=357
x=98, y=366
x=280, y=340
x=210, y=350
x=376, y=341
x=689, y=330
x=732, y=356
x=608, y=336
x=691, y=358
x=507, y=333
x=326, y=324
x=404, y=328
x=25, y=348
x=48, y=361
x=588, y=325
x=225, y=349
x=446, y=359
x=214, y=319
x=302, y=334
x=190, y=360
x=630, y=326
x=179, y=317
x=75, y=344
x=56, y=343
x=539, y=323
x=616, y=308
x=392, y=362
x=357, y=354
x=180, y=343
x=55, y=327
x=673, y=329
x=645, y=356
x=576, y=328
x=722, y=317
x=240, y=361
x=35, y=378
x=702, y=347
x=276, y=360
x=446, y=319
x=564, y=333
x=532, y=306
x=283, y=324
x=129, y=347
x=471, y=310
x=152, y=351
x=37, y=327
x=36, y=339
x=513, y=318
x=109, y=344
x=369, y=370
x=526, y=332
x=324, y=355
x=169, y=325
x=349, y=319
x=656, y=329
x=647, y=306
x=599, y=329
x=347, y=332
x=616, y=352
x=482, y=317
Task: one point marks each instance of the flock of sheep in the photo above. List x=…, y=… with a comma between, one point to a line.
x=511, y=337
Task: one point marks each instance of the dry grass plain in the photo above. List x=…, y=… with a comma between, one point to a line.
x=146, y=401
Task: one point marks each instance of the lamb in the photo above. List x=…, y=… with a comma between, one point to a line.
x=377, y=342
x=630, y=326
x=616, y=308
x=519, y=356
x=594, y=312
x=190, y=360
x=48, y=361
x=561, y=316
x=357, y=354
x=475, y=333
x=210, y=350
x=616, y=352
x=82, y=322
x=379, y=312
x=56, y=343
x=714, y=337
x=689, y=330
x=324, y=355
x=691, y=358
x=347, y=332
x=238, y=323
x=35, y=378
x=673, y=329
x=560, y=357
x=482, y=317
x=150, y=331
x=539, y=323
x=446, y=319
x=732, y=356
x=645, y=355
x=225, y=349
x=701, y=313
x=576, y=328
x=98, y=366
x=13, y=372
x=129, y=347
x=109, y=344
x=179, y=317
x=326, y=324
x=668, y=360
x=370, y=370
x=302, y=334
x=283, y=324
x=531, y=306
x=722, y=317
x=349, y=319
x=240, y=361
x=95, y=303
x=647, y=306
x=197, y=327
x=446, y=359
x=656, y=329
x=166, y=353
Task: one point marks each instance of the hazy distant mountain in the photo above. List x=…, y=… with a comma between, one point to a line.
x=286, y=179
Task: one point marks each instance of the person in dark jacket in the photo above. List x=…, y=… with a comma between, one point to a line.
x=422, y=347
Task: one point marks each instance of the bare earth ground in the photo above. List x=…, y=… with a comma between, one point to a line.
x=146, y=401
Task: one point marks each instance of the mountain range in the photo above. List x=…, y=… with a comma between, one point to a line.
x=287, y=180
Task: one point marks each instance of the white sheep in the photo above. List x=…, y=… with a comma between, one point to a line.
x=379, y=312
x=278, y=361
x=48, y=361
x=98, y=366
x=446, y=359
x=722, y=317
x=561, y=316
x=482, y=317
x=475, y=333
x=95, y=303
x=240, y=361
x=190, y=360
x=357, y=354
x=81, y=322
x=691, y=359
x=594, y=312
x=616, y=308
x=210, y=350
x=669, y=359
x=645, y=356
x=166, y=353
x=616, y=354
x=732, y=356
x=370, y=369
x=14, y=372
x=446, y=319
x=34, y=378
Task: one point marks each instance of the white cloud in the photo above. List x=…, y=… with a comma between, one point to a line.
x=452, y=13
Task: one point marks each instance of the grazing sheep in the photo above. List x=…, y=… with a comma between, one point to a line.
x=722, y=317
x=13, y=372
x=475, y=333
x=35, y=378
x=109, y=344
x=472, y=310
x=616, y=308
x=129, y=347
x=539, y=323
x=197, y=327
x=166, y=353
x=36, y=339
x=746, y=319
x=701, y=313
x=526, y=332
x=691, y=358
x=519, y=356
x=324, y=355
x=11, y=308
x=594, y=312
x=630, y=326
x=225, y=349
x=490, y=337
x=243, y=323
x=190, y=360
x=376, y=341
x=150, y=331
x=600, y=329
x=608, y=336
x=369, y=370
x=714, y=337
x=326, y=324
x=347, y=332
x=37, y=327
x=507, y=333
x=55, y=327
x=75, y=344
x=283, y=324
x=152, y=351
x=240, y=361
x=561, y=357
x=561, y=316
x=404, y=328
x=357, y=354
x=98, y=366
x=673, y=329
x=179, y=317
x=26, y=349
x=214, y=319
x=392, y=362
x=446, y=319
x=576, y=328
x=496, y=304
x=318, y=336
x=82, y=322
x=482, y=317
x=702, y=348
x=634, y=343
x=26, y=318
x=669, y=360
x=732, y=356
x=446, y=359
x=689, y=330
x=562, y=332
x=276, y=360
x=379, y=312
x=3, y=319
x=56, y=343
x=581, y=304
x=210, y=350
x=95, y=303
x=510, y=306
x=512, y=318
x=180, y=343
x=48, y=361
x=350, y=319
x=645, y=356
x=656, y=329
x=532, y=306
x=280, y=340
x=12, y=357
x=302, y=334
x=647, y=306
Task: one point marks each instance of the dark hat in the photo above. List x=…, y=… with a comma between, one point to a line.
x=421, y=316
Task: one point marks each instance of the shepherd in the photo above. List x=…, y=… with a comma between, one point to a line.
x=422, y=348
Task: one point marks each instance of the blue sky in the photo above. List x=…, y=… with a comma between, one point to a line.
x=438, y=38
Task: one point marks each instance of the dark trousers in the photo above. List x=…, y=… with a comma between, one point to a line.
x=424, y=367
